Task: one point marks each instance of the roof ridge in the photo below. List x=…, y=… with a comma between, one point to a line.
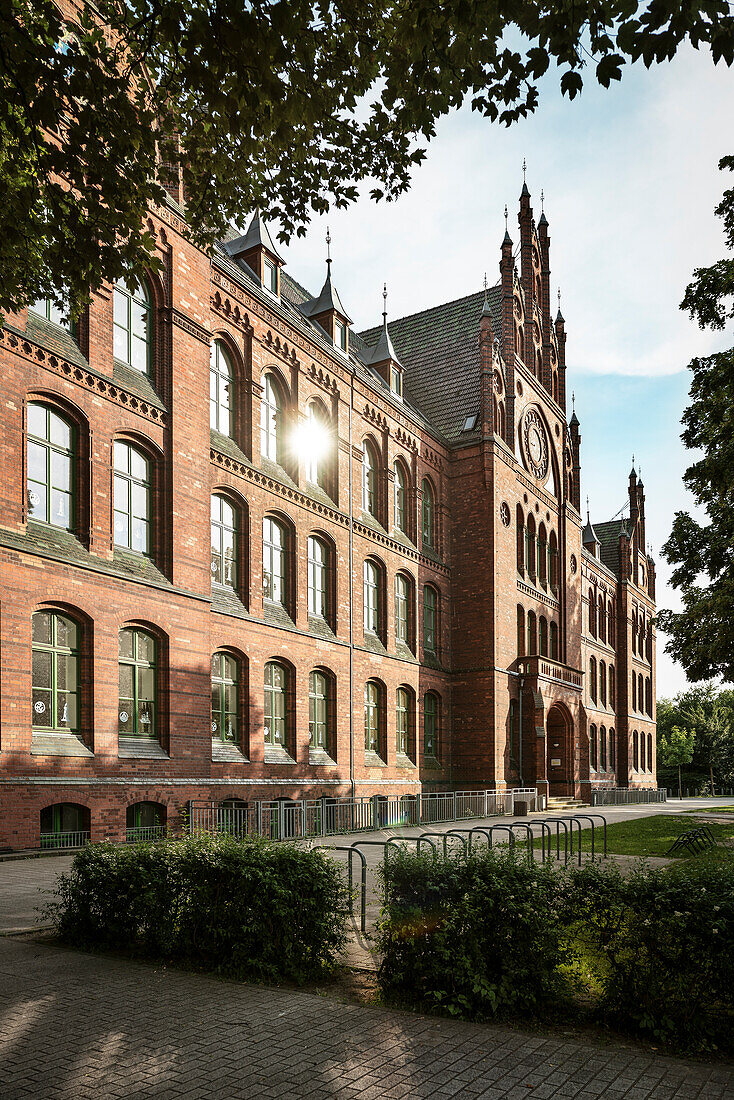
x=431, y=309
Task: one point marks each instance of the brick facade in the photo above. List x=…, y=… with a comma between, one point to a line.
x=481, y=427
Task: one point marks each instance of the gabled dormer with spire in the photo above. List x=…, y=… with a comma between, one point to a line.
x=383, y=358
x=327, y=310
x=257, y=250
x=589, y=538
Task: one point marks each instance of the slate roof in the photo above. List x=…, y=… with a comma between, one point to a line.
x=608, y=536
x=439, y=350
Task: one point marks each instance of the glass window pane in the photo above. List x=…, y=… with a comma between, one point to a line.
x=60, y=471
x=42, y=708
x=60, y=431
x=146, y=683
x=66, y=711
x=125, y=643
x=66, y=672
x=122, y=457
x=139, y=539
x=126, y=681
x=37, y=456
x=120, y=343
x=121, y=493
x=41, y=627
x=41, y=669
x=146, y=719
x=138, y=465
x=146, y=647
x=125, y=720
x=37, y=500
x=37, y=420
x=122, y=529
x=60, y=509
x=139, y=496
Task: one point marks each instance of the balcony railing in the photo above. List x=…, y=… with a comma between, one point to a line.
x=145, y=832
x=65, y=840
x=552, y=670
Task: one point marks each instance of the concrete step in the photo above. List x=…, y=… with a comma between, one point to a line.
x=566, y=804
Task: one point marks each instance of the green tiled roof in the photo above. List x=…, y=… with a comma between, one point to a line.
x=608, y=535
x=439, y=349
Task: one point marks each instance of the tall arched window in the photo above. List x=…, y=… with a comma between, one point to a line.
x=640, y=693
x=611, y=626
x=131, y=498
x=369, y=479
x=225, y=538
x=317, y=439
x=318, y=710
x=542, y=555
x=554, y=641
x=592, y=747
x=50, y=311
x=531, y=543
x=55, y=672
x=612, y=688
x=602, y=683
x=221, y=389
x=275, y=711
x=402, y=721
x=543, y=623
x=649, y=752
x=318, y=577
x=635, y=752
x=271, y=420
x=400, y=495
x=634, y=633
x=592, y=679
x=430, y=619
x=592, y=613
x=520, y=520
x=275, y=573
x=131, y=317
x=431, y=724
x=634, y=691
x=532, y=634
x=51, y=462
x=225, y=698
x=553, y=561
x=138, y=712
x=428, y=513
x=642, y=751
x=402, y=608
x=602, y=748
x=520, y=631
x=648, y=696
x=372, y=597
x=612, y=750
x=372, y=716
x=602, y=619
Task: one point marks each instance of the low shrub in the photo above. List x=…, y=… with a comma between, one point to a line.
x=470, y=936
x=243, y=908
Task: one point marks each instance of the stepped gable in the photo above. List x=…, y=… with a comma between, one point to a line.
x=439, y=349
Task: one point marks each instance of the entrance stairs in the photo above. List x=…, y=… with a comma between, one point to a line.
x=558, y=805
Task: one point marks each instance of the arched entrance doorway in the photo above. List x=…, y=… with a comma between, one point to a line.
x=559, y=747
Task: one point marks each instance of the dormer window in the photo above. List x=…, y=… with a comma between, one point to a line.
x=396, y=380
x=340, y=335
x=270, y=275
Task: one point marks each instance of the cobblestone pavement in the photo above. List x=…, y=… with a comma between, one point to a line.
x=83, y=1026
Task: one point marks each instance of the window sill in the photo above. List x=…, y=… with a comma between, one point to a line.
x=55, y=743
x=431, y=762
x=402, y=760
x=275, y=754
x=372, y=760
x=319, y=758
x=140, y=748
x=226, y=752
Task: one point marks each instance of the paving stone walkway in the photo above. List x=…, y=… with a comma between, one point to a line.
x=83, y=1026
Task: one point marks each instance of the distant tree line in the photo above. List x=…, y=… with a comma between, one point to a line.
x=695, y=733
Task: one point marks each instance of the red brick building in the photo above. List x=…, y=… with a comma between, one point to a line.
x=248, y=553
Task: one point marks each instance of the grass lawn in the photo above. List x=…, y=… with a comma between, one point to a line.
x=644, y=836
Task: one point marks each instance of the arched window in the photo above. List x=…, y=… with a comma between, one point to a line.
x=553, y=561
x=403, y=609
x=634, y=691
x=532, y=634
x=430, y=619
x=431, y=724
x=592, y=613
x=642, y=752
x=648, y=696
x=520, y=631
x=225, y=541
x=271, y=420
x=132, y=485
x=592, y=679
x=634, y=633
x=225, y=698
x=318, y=577
x=543, y=624
x=373, y=716
x=531, y=547
x=428, y=514
x=131, y=316
x=649, y=752
x=602, y=619
x=275, y=712
x=51, y=466
x=602, y=748
x=602, y=683
x=55, y=672
x=635, y=752
x=400, y=493
x=542, y=556
x=648, y=643
x=612, y=688
x=275, y=571
x=221, y=389
x=145, y=821
x=64, y=825
x=318, y=710
x=137, y=710
x=48, y=309
x=369, y=479
x=317, y=445
x=640, y=693
x=372, y=597
x=612, y=750
x=402, y=721
x=592, y=748
x=554, y=641
x=520, y=541
x=611, y=626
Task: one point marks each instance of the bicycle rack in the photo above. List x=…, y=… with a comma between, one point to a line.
x=441, y=836
x=352, y=851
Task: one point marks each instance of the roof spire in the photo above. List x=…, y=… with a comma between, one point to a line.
x=328, y=250
x=524, y=166
x=559, y=315
x=573, y=401
x=486, y=311
x=542, y=201
x=524, y=191
x=587, y=510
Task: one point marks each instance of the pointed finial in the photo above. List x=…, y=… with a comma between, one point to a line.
x=384, y=305
x=559, y=299
x=542, y=200
x=587, y=510
x=573, y=401
x=328, y=248
x=485, y=286
x=505, y=217
x=523, y=169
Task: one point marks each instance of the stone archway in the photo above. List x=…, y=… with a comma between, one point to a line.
x=559, y=748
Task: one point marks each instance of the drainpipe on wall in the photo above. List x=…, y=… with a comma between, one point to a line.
x=520, y=686
x=351, y=602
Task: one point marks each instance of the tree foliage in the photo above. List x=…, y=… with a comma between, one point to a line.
x=288, y=105
x=707, y=714
x=701, y=636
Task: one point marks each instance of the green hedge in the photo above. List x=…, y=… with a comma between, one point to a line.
x=247, y=909
x=471, y=936
x=651, y=953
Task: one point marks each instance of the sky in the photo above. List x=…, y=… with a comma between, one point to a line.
x=630, y=180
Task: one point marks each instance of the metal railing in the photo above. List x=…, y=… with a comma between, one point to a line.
x=303, y=818
x=65, y=840
x=144, y=832
x=627, y=796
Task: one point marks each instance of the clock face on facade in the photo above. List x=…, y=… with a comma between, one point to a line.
x=535, y=445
